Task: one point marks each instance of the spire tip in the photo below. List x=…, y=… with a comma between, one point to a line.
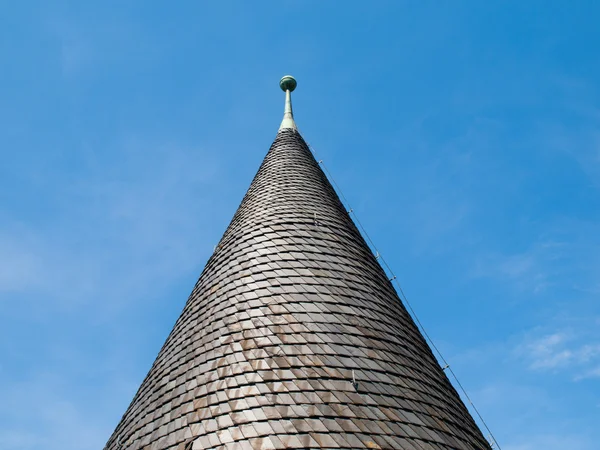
x=288, y=83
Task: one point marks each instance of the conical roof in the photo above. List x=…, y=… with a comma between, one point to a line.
x=293, y=337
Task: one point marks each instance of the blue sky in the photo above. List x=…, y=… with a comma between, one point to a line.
x=465, y=135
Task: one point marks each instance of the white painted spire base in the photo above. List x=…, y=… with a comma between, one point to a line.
x=288, y=114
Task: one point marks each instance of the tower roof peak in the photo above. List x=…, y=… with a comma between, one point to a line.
x=294, y=337
x=288, y=84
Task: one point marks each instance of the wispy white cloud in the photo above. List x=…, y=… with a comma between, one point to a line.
x=574, y=352
x=512, y=400
x=127, y=222
x=42, y=413
x=530, y=271
x=592, y=373
x=565, y=256
x=553, y=352
x=550, y=441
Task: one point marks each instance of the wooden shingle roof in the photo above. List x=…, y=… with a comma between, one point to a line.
x=293, y=337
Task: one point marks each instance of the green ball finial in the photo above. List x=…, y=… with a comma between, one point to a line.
x=288, y=83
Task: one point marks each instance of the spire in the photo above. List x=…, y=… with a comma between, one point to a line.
x=288, y=84
x=294, y=337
